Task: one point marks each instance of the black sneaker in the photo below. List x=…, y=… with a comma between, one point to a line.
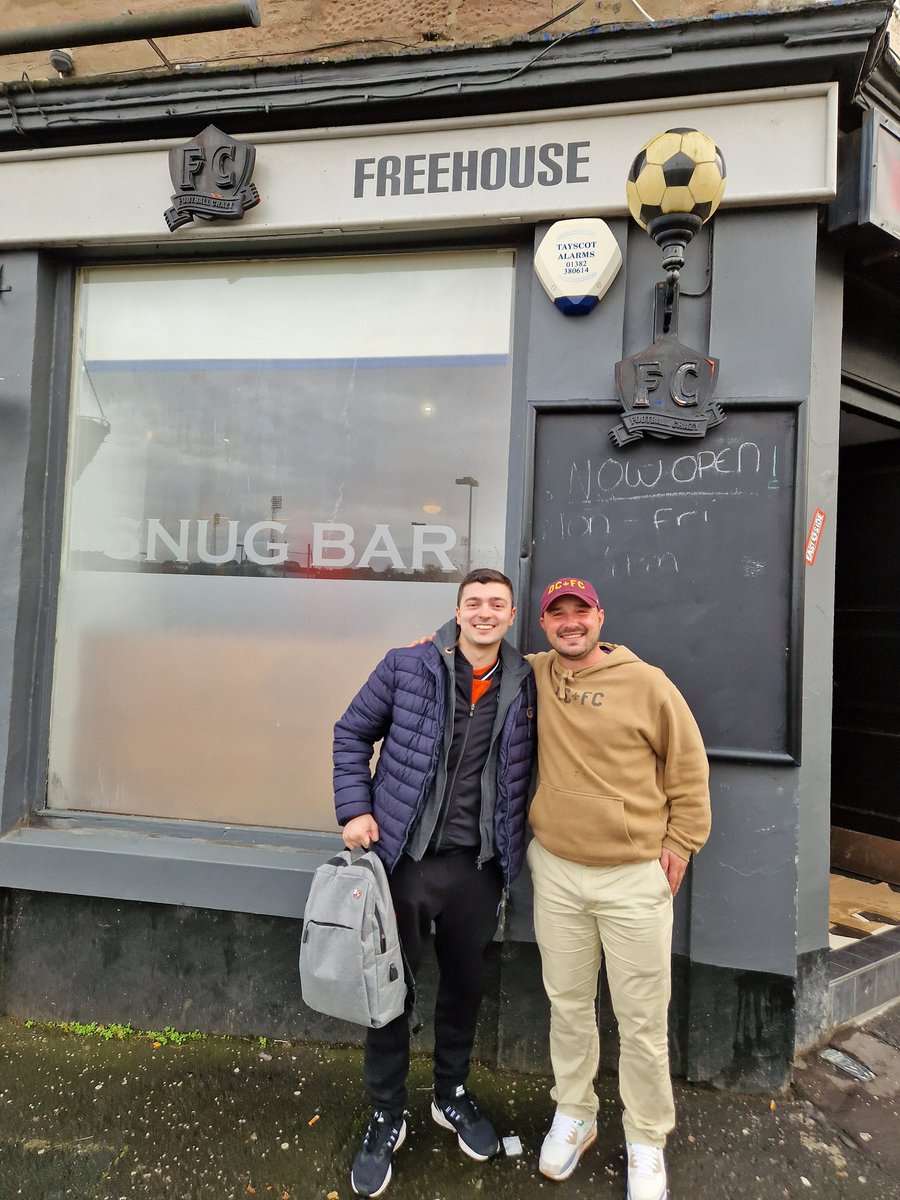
x=371, y=1171
x=477, y=1136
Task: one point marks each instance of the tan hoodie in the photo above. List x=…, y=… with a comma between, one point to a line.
x=622, y=770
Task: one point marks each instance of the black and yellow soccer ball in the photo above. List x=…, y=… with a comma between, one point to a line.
x=679, y=171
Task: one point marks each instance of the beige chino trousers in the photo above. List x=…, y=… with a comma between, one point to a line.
x=625, y=914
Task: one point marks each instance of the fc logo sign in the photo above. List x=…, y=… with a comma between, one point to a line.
x=666, y=391
x=211, y=176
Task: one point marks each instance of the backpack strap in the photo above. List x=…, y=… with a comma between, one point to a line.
x=415, y=1021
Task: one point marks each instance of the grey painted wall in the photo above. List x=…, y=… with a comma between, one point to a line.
x=818, y=615
x=757, y=318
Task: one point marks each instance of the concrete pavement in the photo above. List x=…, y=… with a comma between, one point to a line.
x=93, y=1118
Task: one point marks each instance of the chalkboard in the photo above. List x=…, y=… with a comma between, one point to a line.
x=689, y=544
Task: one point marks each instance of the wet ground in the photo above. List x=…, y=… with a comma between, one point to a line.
x=142, y=1119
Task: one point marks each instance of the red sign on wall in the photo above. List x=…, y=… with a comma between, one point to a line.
x=813, y=537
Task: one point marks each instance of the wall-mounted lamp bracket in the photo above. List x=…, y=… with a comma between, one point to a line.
x=665, y=308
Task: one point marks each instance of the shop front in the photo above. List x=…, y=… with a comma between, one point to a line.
x=251, y=441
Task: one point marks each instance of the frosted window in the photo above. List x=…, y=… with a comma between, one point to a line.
x=262, y=497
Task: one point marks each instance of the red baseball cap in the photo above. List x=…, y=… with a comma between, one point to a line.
x=569, y=587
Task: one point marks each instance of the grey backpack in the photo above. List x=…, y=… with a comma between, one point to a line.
x=351, y=964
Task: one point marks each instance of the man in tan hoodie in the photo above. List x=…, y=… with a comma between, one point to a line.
x=621, y=804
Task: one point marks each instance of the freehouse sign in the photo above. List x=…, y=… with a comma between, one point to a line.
x=212, y=173
x=465, y=171
x=470, y=169
x=568, y=164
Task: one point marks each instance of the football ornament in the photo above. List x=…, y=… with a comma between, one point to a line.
x=576, y=262
x=674, y=186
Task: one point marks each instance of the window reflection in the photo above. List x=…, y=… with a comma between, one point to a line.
x=236, y=425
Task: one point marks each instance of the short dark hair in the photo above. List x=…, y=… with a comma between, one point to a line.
x=484, y=575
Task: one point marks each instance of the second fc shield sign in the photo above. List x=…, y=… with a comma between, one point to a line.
x=211, y=176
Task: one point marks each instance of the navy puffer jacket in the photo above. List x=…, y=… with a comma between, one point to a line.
x=403, y=705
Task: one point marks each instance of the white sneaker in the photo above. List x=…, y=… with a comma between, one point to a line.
x=564, y=1145
x=646, y=1172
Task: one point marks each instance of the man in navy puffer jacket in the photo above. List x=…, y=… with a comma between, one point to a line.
x=446, y=813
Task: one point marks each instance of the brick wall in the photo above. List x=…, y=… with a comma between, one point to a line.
x=294, y=30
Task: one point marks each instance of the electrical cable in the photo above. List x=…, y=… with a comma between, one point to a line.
x=553, y=20
x=366, y=97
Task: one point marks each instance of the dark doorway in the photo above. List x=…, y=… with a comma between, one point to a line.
x=865, y=770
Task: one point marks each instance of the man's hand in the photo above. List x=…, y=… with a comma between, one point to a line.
x=361, y=831
x=674, y=867
x=420, y=641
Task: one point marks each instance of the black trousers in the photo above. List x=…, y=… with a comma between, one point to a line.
x=463, y=903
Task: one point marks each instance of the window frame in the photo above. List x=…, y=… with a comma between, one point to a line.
x=247, y=868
